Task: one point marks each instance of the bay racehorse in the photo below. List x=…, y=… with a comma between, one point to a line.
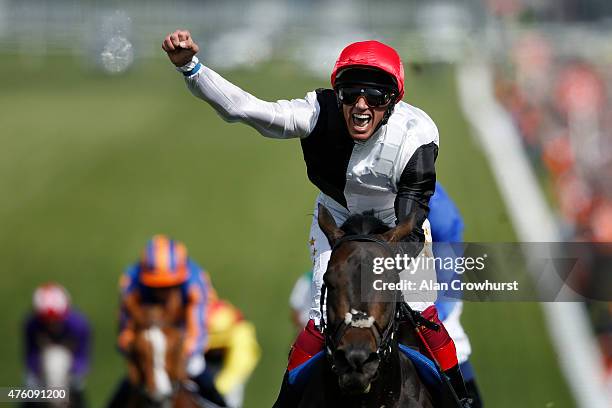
x=363, y=366
x=156, y=368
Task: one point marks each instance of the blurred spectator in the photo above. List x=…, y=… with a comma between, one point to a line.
x=561, y=108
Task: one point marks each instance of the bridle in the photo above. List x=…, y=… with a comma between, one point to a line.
x=383, y=335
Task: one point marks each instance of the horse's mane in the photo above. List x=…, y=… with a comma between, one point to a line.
x=365, y=223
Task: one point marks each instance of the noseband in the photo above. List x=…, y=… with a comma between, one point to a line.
x=383, y=336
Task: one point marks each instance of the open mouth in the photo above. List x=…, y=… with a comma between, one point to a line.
x=361, y=119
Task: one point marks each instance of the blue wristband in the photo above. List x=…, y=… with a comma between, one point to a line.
x=194, y=71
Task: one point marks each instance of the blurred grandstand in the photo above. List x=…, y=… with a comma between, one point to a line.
x=552, y=74
x=551, y=61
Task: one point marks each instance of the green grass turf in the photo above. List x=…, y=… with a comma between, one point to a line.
x=92, y=165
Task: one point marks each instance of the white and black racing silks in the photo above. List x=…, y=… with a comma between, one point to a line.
x=391, y=173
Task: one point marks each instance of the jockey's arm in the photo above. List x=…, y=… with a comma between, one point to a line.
x=32, y=351
x=129, y=301
x=126, y=322
x=80, y=364
x=282, y=119
x=195, y=339
x=240, y=359
x=415, y=187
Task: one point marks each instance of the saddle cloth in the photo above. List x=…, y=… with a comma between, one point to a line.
x=425, y=368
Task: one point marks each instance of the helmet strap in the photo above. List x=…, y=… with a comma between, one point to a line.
x=386, y=117
x=388, y=114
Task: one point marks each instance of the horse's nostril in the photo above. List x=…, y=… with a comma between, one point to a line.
x=373, y=357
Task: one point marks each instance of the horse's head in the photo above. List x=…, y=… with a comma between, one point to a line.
x=360, y=320
x=158, y=362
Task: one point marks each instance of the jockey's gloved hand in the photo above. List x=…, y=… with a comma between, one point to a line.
x=195, y=365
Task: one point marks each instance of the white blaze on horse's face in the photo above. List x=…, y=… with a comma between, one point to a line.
x=56, y=363
x=157, y=338
x=360, y=321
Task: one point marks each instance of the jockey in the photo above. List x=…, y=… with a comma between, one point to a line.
x=164, y=267
x=364, y=148
x=233, y=351
x=55, y=322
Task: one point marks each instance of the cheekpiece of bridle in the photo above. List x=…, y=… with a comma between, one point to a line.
x=383, y=336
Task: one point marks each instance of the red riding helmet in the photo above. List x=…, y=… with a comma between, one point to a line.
x=371, y=54
x=51, y=302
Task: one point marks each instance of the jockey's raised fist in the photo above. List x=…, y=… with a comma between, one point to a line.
x=180, y=47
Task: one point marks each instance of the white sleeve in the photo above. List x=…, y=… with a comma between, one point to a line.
x=281, y=119
x=300, y=297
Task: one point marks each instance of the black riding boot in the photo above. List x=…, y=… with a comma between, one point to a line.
x=207, y=389
x=456, y=381
x=474, y=393
x=122, y=393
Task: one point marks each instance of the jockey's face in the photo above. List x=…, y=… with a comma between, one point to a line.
x=54, y=326
x=161, y=295
x=361, y=119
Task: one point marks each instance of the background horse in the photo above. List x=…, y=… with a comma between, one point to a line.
x=55, y=365
x=55, y=372
x=157, y=366
x=56, y=361
x=363, y=367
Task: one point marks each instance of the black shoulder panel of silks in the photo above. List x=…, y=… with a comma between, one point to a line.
x=415, y=187
x=327, y=150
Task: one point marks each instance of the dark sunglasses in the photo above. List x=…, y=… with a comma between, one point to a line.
x=374, y=97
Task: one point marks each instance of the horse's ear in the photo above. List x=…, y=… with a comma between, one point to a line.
x=401, y=230
x=328, y=225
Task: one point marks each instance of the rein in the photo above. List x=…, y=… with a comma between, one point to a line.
x=383, y=336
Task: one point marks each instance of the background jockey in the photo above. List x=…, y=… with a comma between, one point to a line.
x=233, y=351
x=446, y=227
x=54, y=322
x=163, y=269
x=364, y=148
x=300, y=300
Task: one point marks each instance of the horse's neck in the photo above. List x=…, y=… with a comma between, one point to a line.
x=157, y=338
x=56, y=364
